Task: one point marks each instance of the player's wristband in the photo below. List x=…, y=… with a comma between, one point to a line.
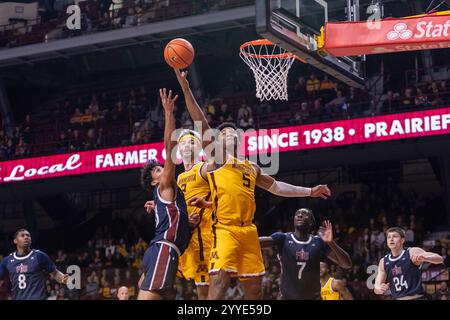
x=287, y=190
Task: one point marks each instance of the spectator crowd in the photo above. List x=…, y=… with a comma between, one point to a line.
x=103, y=120
x=101, y=15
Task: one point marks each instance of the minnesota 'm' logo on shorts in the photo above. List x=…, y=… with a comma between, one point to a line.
x=214, y=255
x=202, y=268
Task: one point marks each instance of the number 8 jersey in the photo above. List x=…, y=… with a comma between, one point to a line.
x=27, y=274
x=403, y=276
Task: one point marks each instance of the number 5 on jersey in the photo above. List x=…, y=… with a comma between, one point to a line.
x=246, y=180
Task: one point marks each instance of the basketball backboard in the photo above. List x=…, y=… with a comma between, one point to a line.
x=294, y=25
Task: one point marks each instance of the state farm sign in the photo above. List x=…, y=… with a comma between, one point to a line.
x=386, y=36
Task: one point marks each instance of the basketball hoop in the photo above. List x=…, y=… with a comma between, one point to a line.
x=270, y=65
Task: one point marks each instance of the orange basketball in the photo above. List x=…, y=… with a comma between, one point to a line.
x=179, y=53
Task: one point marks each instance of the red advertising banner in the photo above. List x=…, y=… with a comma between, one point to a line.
x=80, y=163
x=425, y=32
x=310, y=136
x=347, y=132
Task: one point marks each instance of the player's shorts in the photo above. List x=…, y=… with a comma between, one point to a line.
x=160, y=266
x=194, y=262
x=236, y=250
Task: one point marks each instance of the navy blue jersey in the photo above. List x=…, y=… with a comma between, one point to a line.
x=403, y=276
x=171, y=221
x=27, y=274
x=300, y=265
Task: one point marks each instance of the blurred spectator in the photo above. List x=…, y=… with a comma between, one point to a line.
x=317, y=111
x=131, y=18
x=223, y=114
x=27, y=129
x=156, y=118
x=100, y=138
x=110, y=248
x=98, y=259
x=122, y=293
x=246, y=121
x=62, y=144
x=312, y=85
x=119, y=261
x=108, y=261
x=210, y=120
x=136, y=136
x=390, y=102
x=407, y=101
x=421, y=99
x=435, y=97
x=326, y=85
x=91, y=140
x=10, y=149
x=300, y=88
x=244, y=109
x=337, y=105
x=92, y=287
x=442, y=291
x=105, y=22
x=118, y=114
x=302, y=115
x=210, y=108
x=16, y=135
x=21, y=148
x=76, y=142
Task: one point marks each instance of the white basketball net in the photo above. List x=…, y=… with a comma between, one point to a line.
x=270, y=65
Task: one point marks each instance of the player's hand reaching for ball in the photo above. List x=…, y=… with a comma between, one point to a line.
x=167, y=101
x=199, y=202
x=149, y=206
x=321, y=191
x=182, y=79
x=326, y=232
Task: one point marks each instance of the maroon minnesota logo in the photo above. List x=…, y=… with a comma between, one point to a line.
x=22, y=268
x=214, y=255
x=396, y=271
x=202, y=268
x=302, y=255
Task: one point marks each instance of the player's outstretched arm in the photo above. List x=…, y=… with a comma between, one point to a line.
x=194, y=110
x=338, y=285
x=337, y=254
x=266, y=242
x=380, y=286
x=283, y=189
x=167, y=182
x=419, y=256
